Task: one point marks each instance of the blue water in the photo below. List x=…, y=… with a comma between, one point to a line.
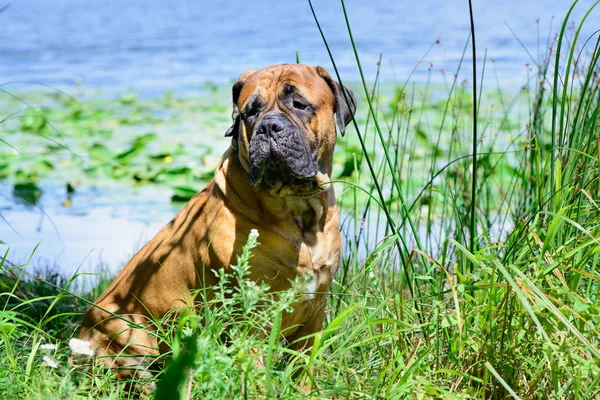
x=151, y=45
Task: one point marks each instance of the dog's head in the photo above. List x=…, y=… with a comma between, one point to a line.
x=284, y=127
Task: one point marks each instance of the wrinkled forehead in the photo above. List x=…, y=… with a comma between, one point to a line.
x=272, y=82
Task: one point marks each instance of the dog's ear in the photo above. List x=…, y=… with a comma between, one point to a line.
x=235, y=114
x=344, y=110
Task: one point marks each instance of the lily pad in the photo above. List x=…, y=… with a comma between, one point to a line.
x=183, y=193
x=29, y=192
x=33, y=121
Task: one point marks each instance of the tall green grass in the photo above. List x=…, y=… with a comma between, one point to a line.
x=426, y=304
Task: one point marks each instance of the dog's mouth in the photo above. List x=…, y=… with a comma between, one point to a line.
x=282, y=164
x=273, y=173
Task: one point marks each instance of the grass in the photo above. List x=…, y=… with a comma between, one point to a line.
x=425, y=305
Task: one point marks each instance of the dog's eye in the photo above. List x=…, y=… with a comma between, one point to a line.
x=298, y=105
x=251, y=112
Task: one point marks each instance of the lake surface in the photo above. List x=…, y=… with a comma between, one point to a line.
x=153, y=45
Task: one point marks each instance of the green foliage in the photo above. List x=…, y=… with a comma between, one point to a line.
x=228, y=342
x=27, y=191
x=132, y=140
x=183, y=193
x=37, y=319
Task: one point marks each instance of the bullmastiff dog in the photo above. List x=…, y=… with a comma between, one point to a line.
x=273, y=178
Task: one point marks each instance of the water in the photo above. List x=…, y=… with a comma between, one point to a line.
x=102, y=228
x=153, y=45
x=156, y=44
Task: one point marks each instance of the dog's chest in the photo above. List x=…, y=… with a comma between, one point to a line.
x=318, y=260
x=317, y=240
x=316, y=267
x=307, y=214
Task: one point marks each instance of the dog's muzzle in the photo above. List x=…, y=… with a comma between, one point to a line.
x=279, y=154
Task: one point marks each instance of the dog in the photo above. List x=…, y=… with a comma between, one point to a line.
x=274, y=178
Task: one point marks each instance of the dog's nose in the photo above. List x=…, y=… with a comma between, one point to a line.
x=270, y=125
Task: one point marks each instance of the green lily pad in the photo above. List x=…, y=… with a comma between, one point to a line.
x=100, y=152
x=129, y=98
x=33, y=121
x=29, y=192
x=183, y=193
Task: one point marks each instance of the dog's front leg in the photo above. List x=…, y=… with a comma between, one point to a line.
x=303, y=341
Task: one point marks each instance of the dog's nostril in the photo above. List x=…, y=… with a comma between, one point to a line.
x=276, y=126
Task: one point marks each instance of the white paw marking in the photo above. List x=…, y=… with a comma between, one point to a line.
x=311, y=286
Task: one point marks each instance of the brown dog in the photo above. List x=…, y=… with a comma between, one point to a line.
x=273, y=178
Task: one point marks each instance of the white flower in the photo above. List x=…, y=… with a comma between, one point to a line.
x=253, y=234
x=81, y=347
x=49, y=361
x=250, y=284
x=48, y=346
